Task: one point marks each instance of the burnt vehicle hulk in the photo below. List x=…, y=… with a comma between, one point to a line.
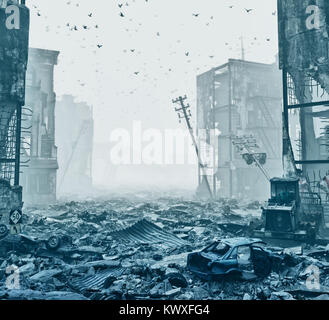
x=291, y=214
x=232, y=257
x=56, y=246
x=27, y=244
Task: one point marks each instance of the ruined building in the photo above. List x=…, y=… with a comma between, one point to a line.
x=74, y=136
x=38, y=143
x=14, y=38
x=240, y=99
x=304, y=60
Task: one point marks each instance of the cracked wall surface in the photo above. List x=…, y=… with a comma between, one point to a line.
x=13, y=64
x=303, y=42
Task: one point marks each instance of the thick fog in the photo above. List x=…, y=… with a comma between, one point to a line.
x=129, y=62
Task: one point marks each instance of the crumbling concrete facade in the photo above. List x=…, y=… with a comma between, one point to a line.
x=38, y=144
x=304, y=59
x=238, y=99
x=14, y=39
x=74, y=137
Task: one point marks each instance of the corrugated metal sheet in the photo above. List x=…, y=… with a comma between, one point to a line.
x=147, y=232
x=96, y=282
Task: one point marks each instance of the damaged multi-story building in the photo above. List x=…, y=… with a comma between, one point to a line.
x=304, y=60
x=14, y=39
x=240, y=100
x=74, y=137
x=39, y=151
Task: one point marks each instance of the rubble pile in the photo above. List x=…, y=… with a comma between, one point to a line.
x=137, y=249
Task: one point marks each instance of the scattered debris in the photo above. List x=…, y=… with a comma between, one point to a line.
x=139, y=249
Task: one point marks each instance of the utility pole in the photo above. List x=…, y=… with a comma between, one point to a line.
x=184, y=112
x=247, y=143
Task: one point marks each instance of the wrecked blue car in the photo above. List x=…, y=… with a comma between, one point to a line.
x=231, y=257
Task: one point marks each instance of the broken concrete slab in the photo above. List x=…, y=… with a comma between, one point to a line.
x=295, y=250
x=281, y=295
x=39, y=295
x=179, y=259
x=303, y=291
x=200, y=293
x=173, y=292
x=322, y=297
x=45, y=275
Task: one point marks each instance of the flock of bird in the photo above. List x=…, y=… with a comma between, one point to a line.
x=123, y=12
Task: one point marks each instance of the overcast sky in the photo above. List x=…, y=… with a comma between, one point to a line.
x=171, y=46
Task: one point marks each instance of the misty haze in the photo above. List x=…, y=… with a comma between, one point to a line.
x=164, y=150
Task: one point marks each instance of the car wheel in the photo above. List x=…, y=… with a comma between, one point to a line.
x=3, y=231
x=53, y=243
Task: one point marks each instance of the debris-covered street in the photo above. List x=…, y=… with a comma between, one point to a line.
x=137, y=247
x=162, y=156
